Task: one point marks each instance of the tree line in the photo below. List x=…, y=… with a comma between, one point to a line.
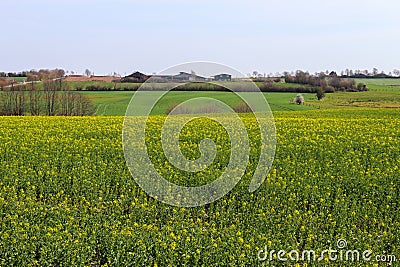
x=347, y=73
x=36, y=75
x=328, y=82
x=55, y=99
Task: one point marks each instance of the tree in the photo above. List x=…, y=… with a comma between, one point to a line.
x=88, y=72
x=20, y=101
x=35, y=97
x=3, y=82
x=13, y=101
x=334, y=82
x=396, y=72
x=56, y=98
x=32, y=77
x=60, y=73
x=320, y=93
x=374, y=71
x=50, y=92
x=323, y=83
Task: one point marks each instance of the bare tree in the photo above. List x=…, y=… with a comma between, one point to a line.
x=60, y=73
x=88, y=72
x=50, y=93
x=68, y=101
x=83, y=107
x=35, y=97
x=55, y=99
x=7, y=100
x=20, y=101
x=13, y=101
x=3, y=82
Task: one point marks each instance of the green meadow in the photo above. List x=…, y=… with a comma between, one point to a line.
x=115, y=103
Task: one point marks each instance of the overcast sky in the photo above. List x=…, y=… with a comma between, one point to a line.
x=268, y=36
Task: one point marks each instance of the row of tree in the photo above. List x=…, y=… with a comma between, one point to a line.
x=54, y=99
x=56, y=73
x=44, y=74
x=329, y=83
x=367, y=74
x=347, y=73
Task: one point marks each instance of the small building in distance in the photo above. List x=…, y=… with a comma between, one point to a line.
x=136, y=77
x=181, y=77
x=223, y=77
x=191, y=77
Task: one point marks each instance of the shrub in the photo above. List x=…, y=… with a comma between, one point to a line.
x=242, y=108
x=362, y=87
x=98, y=87
x=329, y=89
x=299, y=99
x=320, y=93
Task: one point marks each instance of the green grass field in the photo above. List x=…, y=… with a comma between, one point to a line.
x=381, y=84
x=394, y=81
x=384, y=93
x=18, y=79
x=115, y=103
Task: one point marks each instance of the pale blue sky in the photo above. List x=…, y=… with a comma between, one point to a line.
x=267, y=36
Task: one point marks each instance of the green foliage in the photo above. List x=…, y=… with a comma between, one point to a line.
x=320, y=93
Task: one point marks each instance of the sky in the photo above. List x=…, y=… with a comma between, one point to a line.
x=267, y=36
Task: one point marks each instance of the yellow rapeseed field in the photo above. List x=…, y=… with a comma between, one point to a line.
x=68, y=199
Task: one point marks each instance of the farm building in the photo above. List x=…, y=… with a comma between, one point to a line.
x=191, y=77
x=223, y=77
x=135, y=77
x=181, y=77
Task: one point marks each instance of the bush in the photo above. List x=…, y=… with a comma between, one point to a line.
x=270, y=87
x=242, y=108
x=329, y=89
x=362, y=87
x=299, y=99
x=97, y=87
x=320, y=93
